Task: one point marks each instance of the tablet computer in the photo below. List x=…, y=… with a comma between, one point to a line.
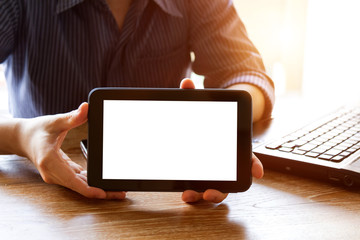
x=169, y=139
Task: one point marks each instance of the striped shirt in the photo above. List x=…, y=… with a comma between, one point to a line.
x=57, y=51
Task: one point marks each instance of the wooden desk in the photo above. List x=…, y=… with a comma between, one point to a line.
x=278, y=206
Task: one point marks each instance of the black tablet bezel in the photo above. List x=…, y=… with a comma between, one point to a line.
x=95, y=138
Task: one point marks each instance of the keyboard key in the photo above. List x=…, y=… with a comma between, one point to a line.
x=352, y=122
x=341, y=147
x=336, y=139
x=347, y=144
x=319, y=149
x=351, y=141
x=337, y=159
x=294, y=136
x=333, y=133
x=274, y=145
x=357, y=146
x=312, y=154
x=357, y=128
x=327, y=136
x=319, y=131
x=341, y=137
x=345, y=154
x=308, y=147
x=299, y=133
x=289, y=145
x=356, y=137
x=348, y=124
x=347, y=134
x=325, y=157
x=316, y=133
x=351, y=131
x=342, y=127
x=329, y=144
x=352, y=149
x=300, y=142
x=327, y=127
x=307, y=138
x=333, y=152
x=298, y=151
x=285, y=149
x=289, y=138
x=334, y=123
x=316, y=142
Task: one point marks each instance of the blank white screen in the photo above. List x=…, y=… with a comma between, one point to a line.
x=170, y=140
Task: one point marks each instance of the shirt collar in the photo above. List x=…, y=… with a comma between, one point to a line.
x=167, y=6
x=64, y=5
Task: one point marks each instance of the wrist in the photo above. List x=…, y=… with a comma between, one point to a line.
x=18, y=141
x=258, y=99
x=11, y=139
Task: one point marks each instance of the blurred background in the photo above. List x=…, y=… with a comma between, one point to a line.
x=309, y=47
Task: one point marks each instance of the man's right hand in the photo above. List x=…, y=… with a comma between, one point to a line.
x=213, y=195
x=40, y=139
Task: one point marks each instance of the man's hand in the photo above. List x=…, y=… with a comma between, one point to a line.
x=212, y=195
x=40, y=141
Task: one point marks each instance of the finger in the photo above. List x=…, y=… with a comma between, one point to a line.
x=187, y=83
x=73, y=119
x=214, y=196
x=115, y=195
x=109, y=194
x=257, y=169
x=82, y=177
x=79, y=185
x=58, y=171
x=191, y=196
x=76, y=167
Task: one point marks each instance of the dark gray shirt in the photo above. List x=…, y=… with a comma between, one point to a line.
x=57, y=51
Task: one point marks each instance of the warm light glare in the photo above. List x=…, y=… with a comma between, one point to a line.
x=277, y=29
x=286, y=36
x=279, y=76
x=332, y=52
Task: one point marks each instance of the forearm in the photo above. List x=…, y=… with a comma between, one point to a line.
x=258, y=99
x=9, y=136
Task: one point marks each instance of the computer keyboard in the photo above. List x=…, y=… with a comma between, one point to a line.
x=333, y=140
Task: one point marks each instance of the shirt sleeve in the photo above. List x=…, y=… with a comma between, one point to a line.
x=223, y=51
x=10, y=19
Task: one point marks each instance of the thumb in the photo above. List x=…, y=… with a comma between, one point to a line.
x=73, y=119
x=187, y=83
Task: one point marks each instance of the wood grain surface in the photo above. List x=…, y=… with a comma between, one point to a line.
x=279, y=206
